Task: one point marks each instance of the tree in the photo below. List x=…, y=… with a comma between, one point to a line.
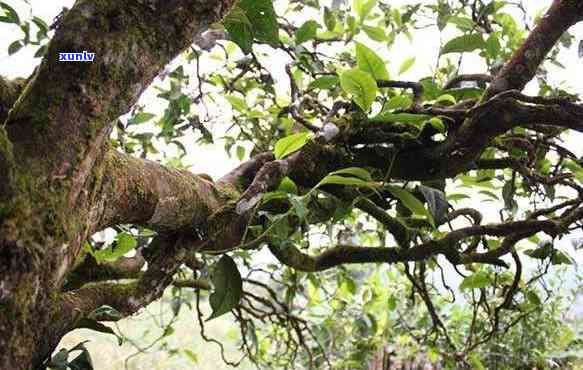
x=348, y=143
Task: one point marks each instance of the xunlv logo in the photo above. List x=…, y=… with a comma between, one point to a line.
x=76, y=57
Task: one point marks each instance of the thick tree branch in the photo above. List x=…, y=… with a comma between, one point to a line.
x=146, y=193
x=523, y=66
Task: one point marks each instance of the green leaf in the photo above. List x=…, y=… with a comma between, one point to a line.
x=375, y=33
x=533, y=297
x=191, y=356
x=489, y=194
x=543, y=251
x=392, y=303
x=465, y=43
x=411, y=202
x=560, y=258
x=368, y=61
x=228, y=287
x=446, y=98
x=141, y=118
x=307, y=31
x=289, y=144
x=240, y=152
x=342, y=180
x=237, y=103
x=287, y=185
x=14, y=47
x=351, y=176
x=398, y=102
x=493, y=45
x=457, y=197
x=406, y=65
x=324, y=83
x=329, y=19
x=239, y=28
x=263, y=19
x=466, y=93
x=478, y=280
x=299, y=206
x=43, y=28
x=273, y=195
x=416, y=119
x=475, y=362
x=40, y=52
x=463, y=23
x=437, y=123
x=362, y=8
x=123, y=244
x=357, y=172
x=361, y=86
x=575, y=168
x=10, y=15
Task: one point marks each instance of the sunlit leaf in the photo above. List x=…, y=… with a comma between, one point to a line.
x=289, y=144
x=324, y=83
x=375, y=33
x=478, y=280
x=368, y=61
x=124, y=243
x=406, y=65
x=361, y=86
x=236, y=102
x=358, y=172
x=398, y=102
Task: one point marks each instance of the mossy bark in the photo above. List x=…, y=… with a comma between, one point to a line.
x=52, y=152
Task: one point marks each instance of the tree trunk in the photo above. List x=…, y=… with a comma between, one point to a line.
x=53, y=155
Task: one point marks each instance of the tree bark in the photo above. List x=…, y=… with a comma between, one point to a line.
x=60, y=181
x=53, y=153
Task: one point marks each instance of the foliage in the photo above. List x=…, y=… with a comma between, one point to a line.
x=334, y=65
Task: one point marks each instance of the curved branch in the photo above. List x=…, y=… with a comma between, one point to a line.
x=523, y=66
x=343, y=254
